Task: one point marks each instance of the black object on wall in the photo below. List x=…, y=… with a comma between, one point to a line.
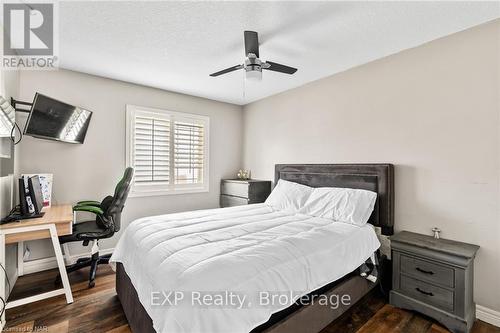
x=55, y=120
x=17, y=105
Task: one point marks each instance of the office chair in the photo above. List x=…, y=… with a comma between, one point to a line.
x=107, y=222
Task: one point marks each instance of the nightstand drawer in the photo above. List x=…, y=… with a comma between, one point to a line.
x=234, y=188
x=425, y=292
x=428, y=271
x=230, y=201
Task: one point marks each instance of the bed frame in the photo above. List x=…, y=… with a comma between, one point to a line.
x=313, y=317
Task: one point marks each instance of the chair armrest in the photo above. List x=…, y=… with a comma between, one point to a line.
x=88, y=203
x=90, y=209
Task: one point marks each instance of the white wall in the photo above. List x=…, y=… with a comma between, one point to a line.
x=433, y=111
x=91, y=170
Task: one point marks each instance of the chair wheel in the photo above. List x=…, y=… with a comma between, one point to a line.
x=91, y=284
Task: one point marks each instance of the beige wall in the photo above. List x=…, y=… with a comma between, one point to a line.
x=433, y=111
x=91, y=170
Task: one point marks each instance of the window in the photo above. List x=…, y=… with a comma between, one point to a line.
x=168, y=151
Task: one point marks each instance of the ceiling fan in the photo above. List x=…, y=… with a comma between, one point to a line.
x=253, y=65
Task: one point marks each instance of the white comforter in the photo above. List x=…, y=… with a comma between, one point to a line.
x=241, y=250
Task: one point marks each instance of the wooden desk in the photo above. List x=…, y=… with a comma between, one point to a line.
x=57, y=221
x=60, y=215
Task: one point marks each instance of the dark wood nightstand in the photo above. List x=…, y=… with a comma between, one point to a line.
x=434, y=277
x=235, y=192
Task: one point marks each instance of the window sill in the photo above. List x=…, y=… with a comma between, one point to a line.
x=138, y=194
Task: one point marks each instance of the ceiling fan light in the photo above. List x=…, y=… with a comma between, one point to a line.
x=253, y=75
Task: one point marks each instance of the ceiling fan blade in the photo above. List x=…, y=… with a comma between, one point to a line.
x=227, y=70
x=273, y=66
x=251, y=43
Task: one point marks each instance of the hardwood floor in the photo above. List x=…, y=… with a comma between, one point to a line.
x=99, y=310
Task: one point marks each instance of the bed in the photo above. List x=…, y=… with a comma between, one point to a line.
x=247, y=250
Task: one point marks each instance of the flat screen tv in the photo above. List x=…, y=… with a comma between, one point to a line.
x=55, y=120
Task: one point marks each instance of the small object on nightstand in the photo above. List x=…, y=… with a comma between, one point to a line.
x=436, y=232
x=243, y=174
x=434, y=277
x=237, y=192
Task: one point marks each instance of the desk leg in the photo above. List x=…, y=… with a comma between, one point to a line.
x=60, y=263
x=20, y=258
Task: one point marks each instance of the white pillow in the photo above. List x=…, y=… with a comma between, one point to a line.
x=341, y=204
x=288, y=196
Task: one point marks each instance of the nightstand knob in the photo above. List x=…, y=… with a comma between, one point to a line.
x=436, y=232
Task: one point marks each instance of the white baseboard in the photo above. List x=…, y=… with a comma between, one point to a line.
x=488, y=315
x=44, y=264
x=39, y=265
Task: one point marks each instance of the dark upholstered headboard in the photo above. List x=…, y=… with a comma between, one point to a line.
x=374, y=177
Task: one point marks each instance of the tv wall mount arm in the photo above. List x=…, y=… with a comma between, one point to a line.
x=15, y=104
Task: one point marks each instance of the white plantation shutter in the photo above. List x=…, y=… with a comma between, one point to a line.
x=188, y=152
x=168, y=150
x=151, y=150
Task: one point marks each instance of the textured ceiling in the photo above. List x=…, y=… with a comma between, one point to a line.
x=175, y=45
